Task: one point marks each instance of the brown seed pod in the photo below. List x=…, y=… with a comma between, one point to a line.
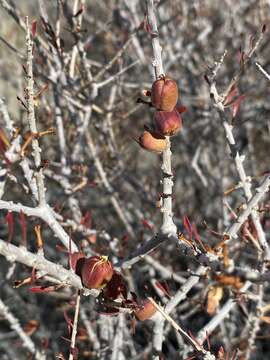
x=96, y=272
x=168, y=123
x=152, y=141
x=145, y=311
x=116, y=287
x=164, y=94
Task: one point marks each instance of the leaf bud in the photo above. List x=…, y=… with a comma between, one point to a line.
x=153, y=142
x=164, y=94
x=168, y=123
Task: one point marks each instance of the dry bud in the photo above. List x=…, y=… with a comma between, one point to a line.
x=116, y=287
x=168, y=123
x=152, y=141
x=146, y=310
x=164, y=94
x=96, y=272
x=214, y=297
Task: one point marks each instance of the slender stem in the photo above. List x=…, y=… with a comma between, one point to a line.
x=168, y=227
x=31, y=115
x=75, y=326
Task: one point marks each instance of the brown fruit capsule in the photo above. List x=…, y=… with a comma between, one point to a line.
x=146, y=311
x=115, y=287
x=152, y=141
x=168, y=123
x=96, y=272
x=164, y=94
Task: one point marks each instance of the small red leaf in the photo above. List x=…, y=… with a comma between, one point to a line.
x=236, y=105
x=197, y=236
x=68, y=321
x=24, y=228
x=232, y=94
x=34, y=28
x=86, y=220
x=42, y=289
x=163, y=287
x=187, y=226
x=10, y=223
x=146, y=26
x=147, y=225
x=33, y=275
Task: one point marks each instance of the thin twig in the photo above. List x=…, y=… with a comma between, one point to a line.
x=75, y=326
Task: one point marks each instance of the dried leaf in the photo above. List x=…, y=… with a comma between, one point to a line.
x=18, y=283
x=213, y=299
x=230, y=280
x=265, y=319
x=4, y=140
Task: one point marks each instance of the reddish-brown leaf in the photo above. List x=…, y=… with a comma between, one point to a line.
x=10, y=223
x=197, y=236
x=68, y=321
x=163, y=287
x=42, y=289
x=147, y=225
x=187, y=226
x=232, y=94
x=86, y=220
x=236, y=105
x=34, y=28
